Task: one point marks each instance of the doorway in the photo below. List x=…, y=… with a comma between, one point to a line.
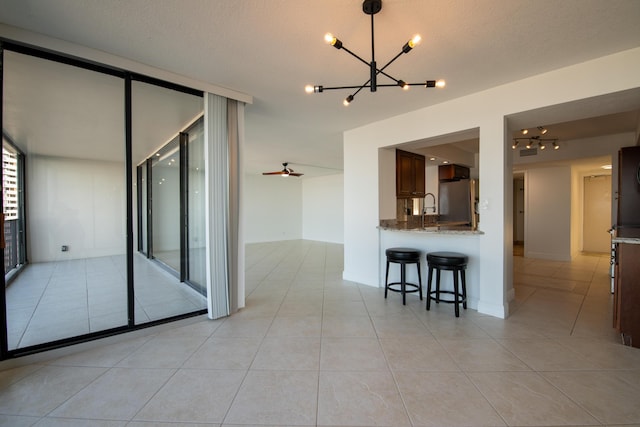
x=596, y=214
x=518, y=215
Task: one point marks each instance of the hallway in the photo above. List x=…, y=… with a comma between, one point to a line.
x=312, y=349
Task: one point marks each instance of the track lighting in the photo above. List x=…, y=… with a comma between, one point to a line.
x=542, y=130
x=371, y=7
x=531, y=141
x=524, y=131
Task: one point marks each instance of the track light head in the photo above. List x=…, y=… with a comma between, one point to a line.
x=347, y=100
x=542, y=130
x=515, y=144
x=524, y=131
x=555, y=146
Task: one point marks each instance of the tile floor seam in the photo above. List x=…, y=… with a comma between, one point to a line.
x=574, y=401
x=164, y=384
x=77, y=392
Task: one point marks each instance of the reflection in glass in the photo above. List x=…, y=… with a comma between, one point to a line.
x=69, y=124
x=196, y=207
x=159, y=116
x=165, y=204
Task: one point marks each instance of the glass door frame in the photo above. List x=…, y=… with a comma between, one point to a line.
x=128, y=77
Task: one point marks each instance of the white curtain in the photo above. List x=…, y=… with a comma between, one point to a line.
x=224, y=124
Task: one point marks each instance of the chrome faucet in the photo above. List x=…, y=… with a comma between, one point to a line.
x=424, y=206
x=425, y=203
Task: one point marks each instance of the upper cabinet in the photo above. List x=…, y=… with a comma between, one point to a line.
x=452, y=172
x=410, y=171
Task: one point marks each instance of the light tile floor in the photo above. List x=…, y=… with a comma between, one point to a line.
x=312, y=349
x=62, y=299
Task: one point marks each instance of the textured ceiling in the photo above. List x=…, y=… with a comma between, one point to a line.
x=270, y=49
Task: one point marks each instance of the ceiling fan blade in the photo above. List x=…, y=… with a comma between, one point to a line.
x=287, y=171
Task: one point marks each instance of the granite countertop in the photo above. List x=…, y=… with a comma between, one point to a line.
x=437, y=228
x=630, y=235
x=629, y=240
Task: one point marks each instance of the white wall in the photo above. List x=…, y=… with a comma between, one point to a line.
x=78, y=203
x=548, y=213
x=273, y=208
x=323, y=208
x=487, y=111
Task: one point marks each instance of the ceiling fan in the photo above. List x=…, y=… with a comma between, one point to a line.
x=287, y=171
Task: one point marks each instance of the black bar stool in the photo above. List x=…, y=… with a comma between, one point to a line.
x=454, y=262
x=403, y=256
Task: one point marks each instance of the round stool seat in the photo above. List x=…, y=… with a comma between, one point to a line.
x=402, y=254
x=456, y=263
x=447, y=259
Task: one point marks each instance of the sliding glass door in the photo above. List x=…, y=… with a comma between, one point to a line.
x=86, y=150
x=162, y=284
x=67, y=124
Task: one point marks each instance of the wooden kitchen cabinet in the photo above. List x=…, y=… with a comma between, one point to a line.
x=626, y=310
x=410, y=174
x=453, y=172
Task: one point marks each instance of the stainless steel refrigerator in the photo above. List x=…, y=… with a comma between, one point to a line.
x=457, y=202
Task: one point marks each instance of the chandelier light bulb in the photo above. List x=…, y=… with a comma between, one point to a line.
x=441, y=83
x=329, y=38
x=415, y=40
x=308, y=88
x=347, y=100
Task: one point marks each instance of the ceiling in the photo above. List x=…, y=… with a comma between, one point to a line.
x=270, y=49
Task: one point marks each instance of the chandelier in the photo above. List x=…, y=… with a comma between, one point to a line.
x=371, y=7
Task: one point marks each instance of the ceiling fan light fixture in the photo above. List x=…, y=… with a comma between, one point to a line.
x=285, y=172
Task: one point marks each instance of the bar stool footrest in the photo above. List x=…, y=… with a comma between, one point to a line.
x=448, y=301
x=411, y=287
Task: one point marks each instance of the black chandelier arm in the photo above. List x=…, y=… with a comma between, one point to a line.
x=346, y=87
x=381, y=70
x=355, y=56
x=367, y=84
